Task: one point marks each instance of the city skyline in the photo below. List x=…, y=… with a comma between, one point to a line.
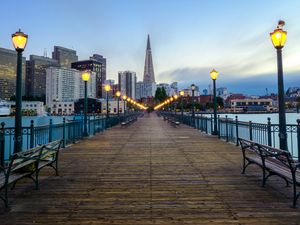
x=189, y=38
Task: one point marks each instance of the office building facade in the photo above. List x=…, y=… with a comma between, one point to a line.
x=127, y=83
x=8, y=71
x=66, y=85
x=64, y=56
x=96, y=64
x=36, y=75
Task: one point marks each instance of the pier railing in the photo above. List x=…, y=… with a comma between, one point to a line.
x=70, y=130
x=231, y=129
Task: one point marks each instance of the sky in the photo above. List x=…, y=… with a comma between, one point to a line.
x=188, y=37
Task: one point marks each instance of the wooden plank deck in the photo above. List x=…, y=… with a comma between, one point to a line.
x=151, y=173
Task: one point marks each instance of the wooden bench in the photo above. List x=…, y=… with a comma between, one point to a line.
x=272, y=161
x=172, y=121
x=128, y=122
x=28, y=164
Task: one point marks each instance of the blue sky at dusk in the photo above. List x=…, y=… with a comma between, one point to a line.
x=188, y=37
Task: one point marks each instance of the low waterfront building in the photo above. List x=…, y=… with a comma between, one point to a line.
x=61, y=108
x=112, y=106
x=29, y=107
x=252, y=104
x=94, y=106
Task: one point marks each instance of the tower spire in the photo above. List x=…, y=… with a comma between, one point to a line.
x=148, y=69
x=148, y=43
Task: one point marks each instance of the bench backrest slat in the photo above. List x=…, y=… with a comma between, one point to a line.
x=249, y=146
x=279, y=156
x=51, y=149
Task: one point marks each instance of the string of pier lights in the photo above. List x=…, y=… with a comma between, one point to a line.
x=131, y=101
x=167, y=101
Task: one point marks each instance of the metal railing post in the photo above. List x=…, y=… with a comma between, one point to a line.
x=74, y=125
x=237, y=130
x=298, y=137
x=50, y=130
x=269, y=132
x=226, y=122
x=89, y=118
x=250, y=130
x=206, y=122
x=219, y=126
x=211, y=124
x=31, y=134
x=2, y=144
x=94, y=122
x=64, y=132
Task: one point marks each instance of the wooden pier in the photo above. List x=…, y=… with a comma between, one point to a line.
x=151, y=173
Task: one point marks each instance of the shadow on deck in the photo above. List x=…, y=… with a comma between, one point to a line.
x=151, y=173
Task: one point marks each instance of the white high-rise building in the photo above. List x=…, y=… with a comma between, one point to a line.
x=140, y=90
x=144, y=90
x=127, y=83
x=66, y=85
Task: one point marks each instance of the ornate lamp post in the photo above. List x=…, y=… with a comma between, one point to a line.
x=193, y=87
x=214, y=75
x=85, y=77
x=124, y=104
x=175, y=98
x=118, y=94
x=107, y=89
x=278, y=37
x=181, y=93
x=19, y=40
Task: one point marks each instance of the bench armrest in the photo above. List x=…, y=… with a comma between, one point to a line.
x=297, y=165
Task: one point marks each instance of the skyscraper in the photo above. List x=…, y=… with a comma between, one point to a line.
x=97, y=64
x=127, y=82
x=148, y=68
x=8, y=70
x=64, y=56
x=66, y=85
x=36, y=75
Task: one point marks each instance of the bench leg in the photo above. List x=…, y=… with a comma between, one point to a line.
x=296, y=196
x=5, y=197
x=55, y=167
x=37, y=180
x=265, y=178
x=245, y=165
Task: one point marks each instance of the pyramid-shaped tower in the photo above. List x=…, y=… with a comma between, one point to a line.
x=148, y=69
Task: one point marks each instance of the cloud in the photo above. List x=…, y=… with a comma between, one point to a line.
x=234, y=82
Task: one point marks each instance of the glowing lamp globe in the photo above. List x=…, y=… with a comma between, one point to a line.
x=19, y=40
x=107, y=88
x=124, y=97
x=181, y=93
x=85, y=76
x=118, y=94
x=278, y=36
x=214, y=74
